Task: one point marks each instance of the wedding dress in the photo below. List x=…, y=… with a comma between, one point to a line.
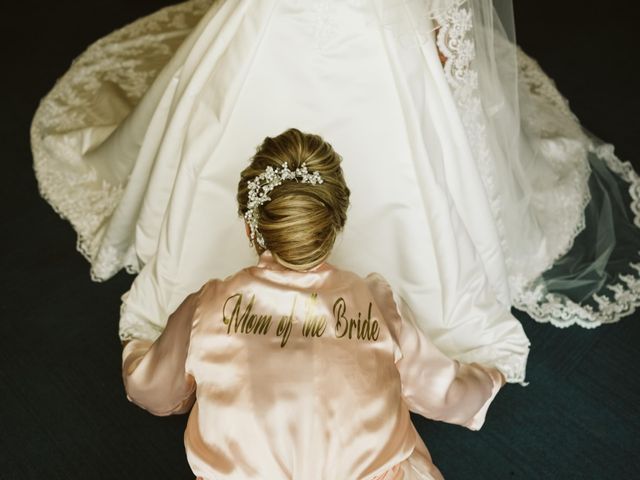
x=474, y=188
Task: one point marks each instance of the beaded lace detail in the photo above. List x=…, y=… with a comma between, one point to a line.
x=66, y=180
x=623, y=296
x=616, y=300
x=562, y=226
x=453, y=41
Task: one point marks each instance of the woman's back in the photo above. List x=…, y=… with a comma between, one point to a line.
x=296, y=369
x=303, y=375
x=296, y=378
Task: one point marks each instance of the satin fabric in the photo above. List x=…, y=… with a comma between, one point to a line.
x=419, y=210
x=303, y=375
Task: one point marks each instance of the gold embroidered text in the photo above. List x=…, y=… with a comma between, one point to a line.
x=247, y=322
x=286, y=324
x=362, y=328
x=313, y=325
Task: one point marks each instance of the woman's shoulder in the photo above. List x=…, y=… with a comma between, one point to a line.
x=328, y=275
x=376, y=278
x=216, y=284
x=376, y=284
x=370, y=280
x=383, y=293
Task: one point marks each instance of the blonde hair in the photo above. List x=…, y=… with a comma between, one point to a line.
x=301, y=221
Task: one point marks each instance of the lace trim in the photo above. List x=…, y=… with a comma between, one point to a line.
x=69, y=184
x=453, y=41
x=625, y=294
x=132, y=328
x=563, y=312
x=575, y=195
x=512, y=366
x=625, y=171
x=77, y=196
x=408, y=20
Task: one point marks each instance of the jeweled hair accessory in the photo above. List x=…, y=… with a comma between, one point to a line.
x=261, y=186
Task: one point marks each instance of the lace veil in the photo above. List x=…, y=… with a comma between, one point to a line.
x=566, y=208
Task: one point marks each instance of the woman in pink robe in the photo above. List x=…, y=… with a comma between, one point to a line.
x=303, y=373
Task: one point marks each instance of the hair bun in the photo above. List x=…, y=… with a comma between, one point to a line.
x=300, y=223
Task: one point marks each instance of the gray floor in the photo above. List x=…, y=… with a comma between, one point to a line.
x=63, y=413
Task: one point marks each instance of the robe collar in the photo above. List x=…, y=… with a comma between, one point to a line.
x=267, y=260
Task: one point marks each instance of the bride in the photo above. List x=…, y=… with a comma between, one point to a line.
x=474, y=186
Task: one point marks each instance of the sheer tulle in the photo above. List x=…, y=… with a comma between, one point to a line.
x=501, y=168
x=565, y=205
x=597, y=280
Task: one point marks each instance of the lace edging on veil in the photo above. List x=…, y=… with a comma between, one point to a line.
x=531, y=296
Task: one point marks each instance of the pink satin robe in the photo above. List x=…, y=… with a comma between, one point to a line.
x=303, y=375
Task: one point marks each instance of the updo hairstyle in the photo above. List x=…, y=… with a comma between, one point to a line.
x=300, y=223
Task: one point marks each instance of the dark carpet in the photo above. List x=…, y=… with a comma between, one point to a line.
x=63, y=413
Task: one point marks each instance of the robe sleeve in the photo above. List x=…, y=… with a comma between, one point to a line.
x=433, y=385
x=154, y=373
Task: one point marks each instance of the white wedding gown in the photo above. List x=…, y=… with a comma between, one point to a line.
x=141, y=143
